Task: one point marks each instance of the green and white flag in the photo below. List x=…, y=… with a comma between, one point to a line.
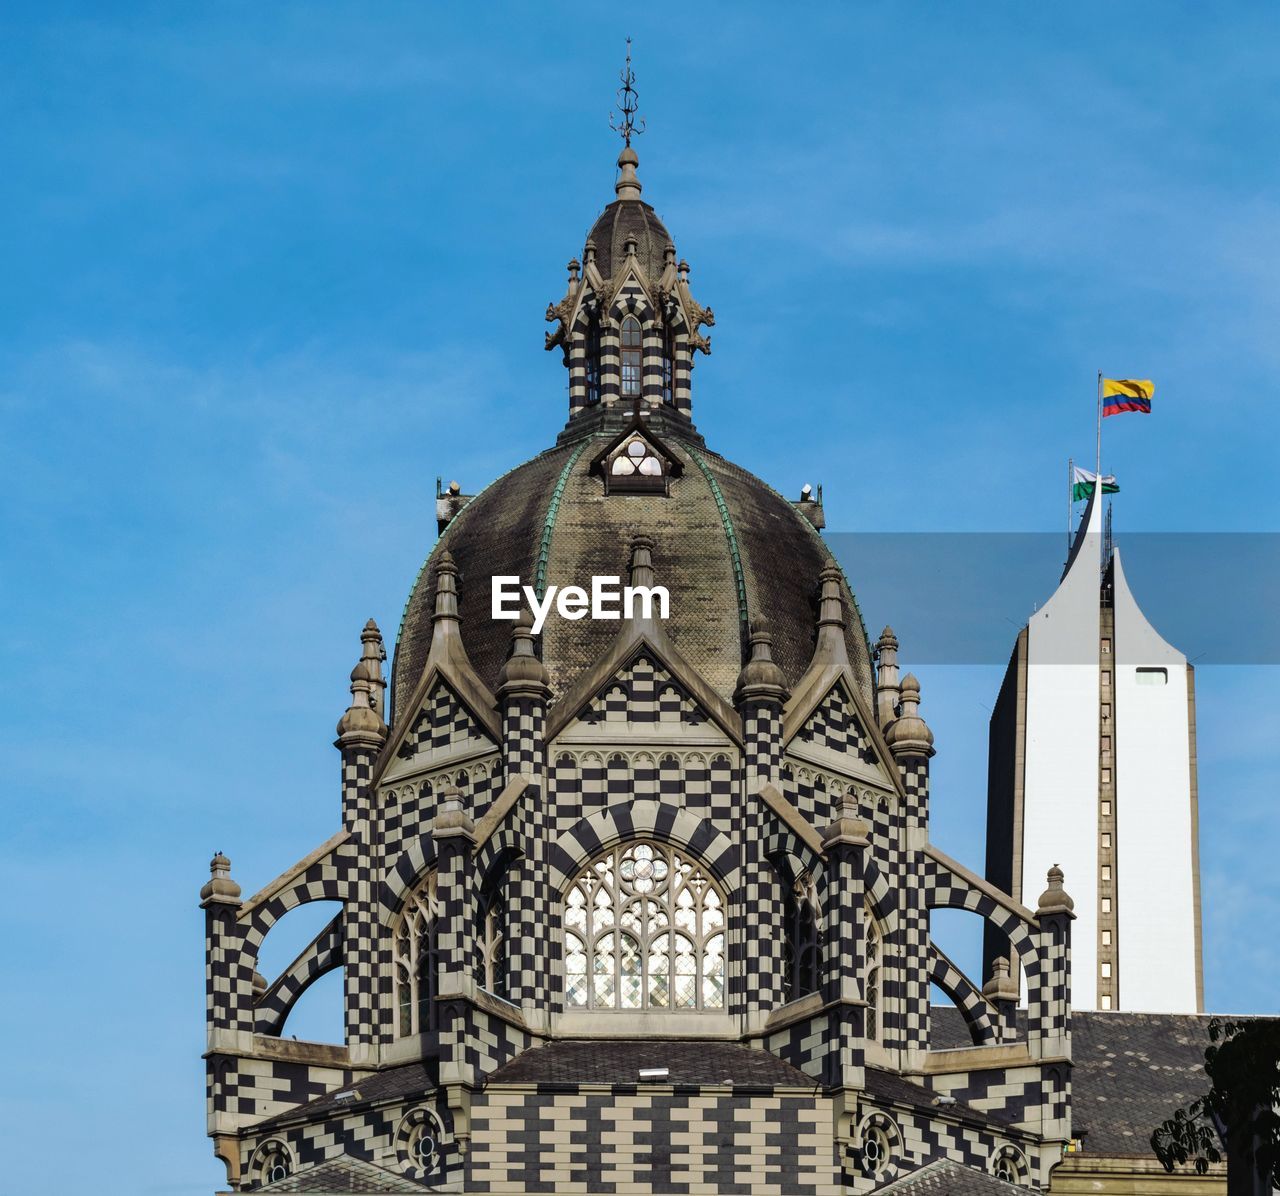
x=1082, y=483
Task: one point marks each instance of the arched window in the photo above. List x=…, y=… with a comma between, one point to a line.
x=668, y=363
x=872, y=988
x=493, y=942
x=804, y=949
x=593, y=355
x=644, y=928
x=631, y=346
x=416, y=959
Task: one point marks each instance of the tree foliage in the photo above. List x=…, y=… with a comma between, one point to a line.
x=1239, y=1117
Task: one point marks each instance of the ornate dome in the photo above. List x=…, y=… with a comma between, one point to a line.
x=621, y=220
x=626, y=218
x=727, y=547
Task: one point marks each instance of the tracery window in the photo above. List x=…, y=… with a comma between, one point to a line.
x=636, y=457
x=417, y=958
x=872, y=987
x=644, y=928
x=632, y=343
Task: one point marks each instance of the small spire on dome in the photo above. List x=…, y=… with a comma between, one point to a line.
x=628, y=101
x=625, y=125
x=641, y=568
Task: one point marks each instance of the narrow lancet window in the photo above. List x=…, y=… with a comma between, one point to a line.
x=632, y=343
x=416, y=959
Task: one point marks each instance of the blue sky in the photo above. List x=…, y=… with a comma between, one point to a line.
x=271, y=269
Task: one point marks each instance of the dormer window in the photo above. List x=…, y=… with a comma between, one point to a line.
x=632, y=342
x=637, y=462
x=635, y=468
x=636, y=457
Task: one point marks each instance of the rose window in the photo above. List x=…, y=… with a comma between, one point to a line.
x=644, y=929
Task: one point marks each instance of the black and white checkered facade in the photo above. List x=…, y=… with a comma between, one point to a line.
x=808, y=811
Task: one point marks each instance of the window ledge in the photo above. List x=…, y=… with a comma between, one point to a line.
x=638, y=1023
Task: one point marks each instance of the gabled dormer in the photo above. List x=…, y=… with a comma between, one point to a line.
x=637, y=462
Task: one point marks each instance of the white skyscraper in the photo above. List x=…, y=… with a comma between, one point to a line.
x=1093, y=768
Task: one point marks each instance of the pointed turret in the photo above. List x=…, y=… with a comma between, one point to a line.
x=446, y=627
x=640, y=571
x=831, y=648
x=888, y=688
x=362, y=724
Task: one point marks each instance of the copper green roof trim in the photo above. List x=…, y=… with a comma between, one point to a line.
x=549, y=524
x=729, y=533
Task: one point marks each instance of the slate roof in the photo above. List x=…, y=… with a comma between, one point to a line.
x=950, y=1178
x=343, y=1176
x=1130, y=1071
x=618, y=1062
x=409, y=1080
x=888, y=1085
x=501, y=532
x=630, y=218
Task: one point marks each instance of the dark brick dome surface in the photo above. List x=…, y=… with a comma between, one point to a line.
x=630, y=218
x=501, y=531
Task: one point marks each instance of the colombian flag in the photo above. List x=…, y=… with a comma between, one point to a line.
x=1126, y=394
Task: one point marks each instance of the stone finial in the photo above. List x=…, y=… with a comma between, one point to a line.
x=1001, y=986
x=220, y=889
x=368, y=671
x=1055, y=899
x=760, y=676
x=888, y=688
x=523, y=670
x=641, y=569
x=446, y=589
x=628, y=185
x=847, y=827
x=451, y=816
x=669, y=254
x=909, y=734
x=830, y=648
x=629, y=246
x=589, y=252
x=260, y=985
x=573, y=268
x=362, y=724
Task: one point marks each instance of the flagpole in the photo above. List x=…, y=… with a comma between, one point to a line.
x=1098, y=472
x=1071, y=476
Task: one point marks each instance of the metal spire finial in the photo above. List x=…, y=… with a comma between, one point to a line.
x=628, y=101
